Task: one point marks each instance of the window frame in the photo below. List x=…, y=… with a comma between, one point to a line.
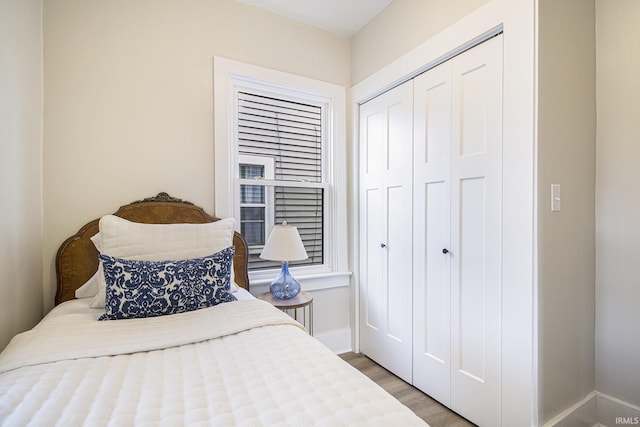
x=230, y=77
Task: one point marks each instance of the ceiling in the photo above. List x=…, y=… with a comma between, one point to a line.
x=343, y=17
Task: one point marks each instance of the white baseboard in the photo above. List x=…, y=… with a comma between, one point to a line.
x=581, y=414
x=338, y=341
x=614, y=412
x=597, y=410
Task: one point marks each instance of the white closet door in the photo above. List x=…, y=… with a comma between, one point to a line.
x=457, y=221
x=432, y=213
x=476, y=233
x=386, y=229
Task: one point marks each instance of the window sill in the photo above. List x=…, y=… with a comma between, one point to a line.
x=309, y=282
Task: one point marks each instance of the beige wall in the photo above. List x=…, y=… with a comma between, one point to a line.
x=20, y=166
x=402, y=26
x=129, y=98
x=618, y=200
x=566, y=239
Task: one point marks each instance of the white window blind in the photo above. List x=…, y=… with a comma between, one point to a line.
x=290, y=134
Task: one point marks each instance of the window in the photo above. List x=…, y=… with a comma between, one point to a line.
x=280, y=154
x=256, y=201
x=280, y=165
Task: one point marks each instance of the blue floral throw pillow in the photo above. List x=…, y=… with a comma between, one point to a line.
x=147, y=288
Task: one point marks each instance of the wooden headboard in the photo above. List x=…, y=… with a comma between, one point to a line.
x=77, y=258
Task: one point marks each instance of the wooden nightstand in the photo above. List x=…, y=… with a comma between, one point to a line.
x=302, y=300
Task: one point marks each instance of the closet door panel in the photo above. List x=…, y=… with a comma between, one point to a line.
x=374, y=291
x=399, y=140
x=431, y=303
x=386, y=229
x=472, y=108
x=372, y=130
x=471, y=280
x=397, y=181
x=476, y=239
x=399, y=295
x=398, y=277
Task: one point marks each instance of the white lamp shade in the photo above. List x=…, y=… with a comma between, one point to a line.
x=284, y=244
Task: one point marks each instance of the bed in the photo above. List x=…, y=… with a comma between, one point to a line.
x=237, y=362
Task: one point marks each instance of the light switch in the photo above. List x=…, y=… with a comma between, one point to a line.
x=556, y=198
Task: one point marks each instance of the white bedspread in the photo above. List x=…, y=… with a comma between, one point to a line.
x=241, y=363
x=75, y=336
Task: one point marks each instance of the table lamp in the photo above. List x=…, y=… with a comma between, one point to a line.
x=285, y=245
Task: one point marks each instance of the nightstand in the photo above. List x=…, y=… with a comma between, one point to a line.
x=303, y=300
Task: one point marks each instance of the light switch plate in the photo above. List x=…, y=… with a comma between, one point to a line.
x=556, y=198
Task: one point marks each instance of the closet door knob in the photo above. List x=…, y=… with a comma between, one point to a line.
x=382, y=245
x=445, y=251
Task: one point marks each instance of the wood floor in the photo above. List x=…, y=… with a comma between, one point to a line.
x=435, y=414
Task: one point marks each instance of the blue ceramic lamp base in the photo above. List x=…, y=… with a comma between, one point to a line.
x=285, y=286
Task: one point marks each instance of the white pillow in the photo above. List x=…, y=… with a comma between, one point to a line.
x=158, y=242
x=89, y=289
x=95, y=239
